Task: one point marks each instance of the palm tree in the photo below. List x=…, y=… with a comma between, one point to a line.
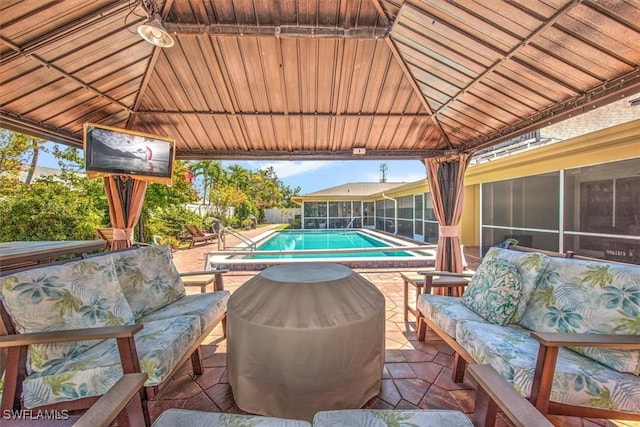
x=35, y=147
x=211, y=173
x=239, y=176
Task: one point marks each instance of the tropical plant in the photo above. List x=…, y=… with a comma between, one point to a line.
x=210, y=173
x=49, y=210
x=158, y=198
x=170, y=220
x=17, y=149
x=171, y=241
x=224, y=197
x=238, y=177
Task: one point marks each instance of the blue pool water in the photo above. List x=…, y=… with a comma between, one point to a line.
x=323, y=239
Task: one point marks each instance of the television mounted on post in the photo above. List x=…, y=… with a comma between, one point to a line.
x=113, y=151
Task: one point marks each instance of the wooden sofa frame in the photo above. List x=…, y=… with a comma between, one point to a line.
x=550, y=344
x=493, y=394
x=120, y=403
x=16, y=345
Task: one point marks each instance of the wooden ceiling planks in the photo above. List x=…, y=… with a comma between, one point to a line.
x=316, y=78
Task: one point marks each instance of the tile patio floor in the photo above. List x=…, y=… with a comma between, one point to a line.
x=416, y=374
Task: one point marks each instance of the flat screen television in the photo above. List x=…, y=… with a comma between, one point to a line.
x=114, y=151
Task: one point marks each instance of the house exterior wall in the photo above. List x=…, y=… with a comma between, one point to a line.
x=531, y=189
x=551, y=186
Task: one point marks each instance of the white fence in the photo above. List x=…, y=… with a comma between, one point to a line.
x=203, y=210
x=281, y=215
x=272, y=216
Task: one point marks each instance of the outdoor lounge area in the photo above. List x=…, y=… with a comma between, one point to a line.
x=417, y=374
x=142, y=85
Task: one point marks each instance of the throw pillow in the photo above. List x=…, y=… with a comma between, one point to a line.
x=494, y=291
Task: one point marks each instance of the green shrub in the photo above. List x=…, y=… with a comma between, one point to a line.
x=170, y=221
x=49, y=210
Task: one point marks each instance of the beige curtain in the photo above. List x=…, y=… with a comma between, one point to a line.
x=125, y=196
x=446, y=182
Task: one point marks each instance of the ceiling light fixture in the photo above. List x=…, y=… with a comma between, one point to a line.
x=153, y=31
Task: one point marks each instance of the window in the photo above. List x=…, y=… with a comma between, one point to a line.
x=526, y=209
x=368, y=213
x=431, y=227
x=405, y=207
x=602, y=210
x=340, y=214
x=418, y=213
x=315, y=214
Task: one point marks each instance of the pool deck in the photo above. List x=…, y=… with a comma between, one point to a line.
x=416, y=374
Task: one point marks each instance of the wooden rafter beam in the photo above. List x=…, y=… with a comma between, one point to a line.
x=416, y=89
x=41, y=130
x=75, y=26
x=51, y=66
x=149, y=71
x=506, y=56
x=278, y=114
x=614, y=90
x=308, y=154
x=407, y=73
x=280, y=31
x=381, y=12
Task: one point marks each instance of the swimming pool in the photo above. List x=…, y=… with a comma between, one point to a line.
x=306, y=244
x=361, y=248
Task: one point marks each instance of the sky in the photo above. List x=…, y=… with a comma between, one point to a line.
x=315, y=175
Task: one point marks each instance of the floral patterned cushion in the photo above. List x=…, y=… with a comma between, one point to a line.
x=390, y=418
x=530, y=265
x=208, y=307
x=494, y=291
x=183, y=417
x=578, y=380
x=160, y=344
x=75, y=295
x=445, y=311
x=148, y=278
x=577, y=296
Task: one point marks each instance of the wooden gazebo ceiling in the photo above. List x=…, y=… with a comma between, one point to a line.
x=315, y=79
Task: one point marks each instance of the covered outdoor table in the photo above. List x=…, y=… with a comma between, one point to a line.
x=303, y=338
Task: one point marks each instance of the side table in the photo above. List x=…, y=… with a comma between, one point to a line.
x=204, y=279
x=417, y=281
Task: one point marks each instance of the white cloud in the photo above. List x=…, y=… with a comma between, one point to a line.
x=287, y=169
x=370, y=177
x=407, y=177
x=401, y=176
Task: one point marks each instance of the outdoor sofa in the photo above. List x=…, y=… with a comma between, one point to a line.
x=564, y=331
x=59, y=321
